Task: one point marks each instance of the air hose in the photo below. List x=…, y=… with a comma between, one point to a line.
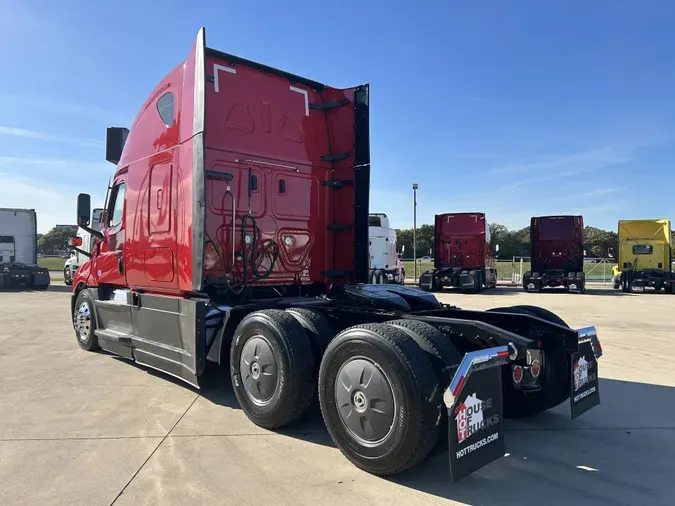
x=269, y=245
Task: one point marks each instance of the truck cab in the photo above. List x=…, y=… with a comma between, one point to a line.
x=645, y=255
x=557, y=254
x=463, y=256
x=385, y=262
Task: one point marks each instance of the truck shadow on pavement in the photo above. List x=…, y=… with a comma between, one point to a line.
x=499, y=290
x=22, y=289
x=621, y=452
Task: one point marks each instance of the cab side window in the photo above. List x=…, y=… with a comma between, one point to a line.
x=165, y=108
x=116, y=208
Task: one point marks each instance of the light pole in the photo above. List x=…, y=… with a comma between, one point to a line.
x=415, y=229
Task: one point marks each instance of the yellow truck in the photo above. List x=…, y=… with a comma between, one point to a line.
x=645, y=256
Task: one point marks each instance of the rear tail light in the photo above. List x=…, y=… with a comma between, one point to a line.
x=517, y=373
x=535, y=368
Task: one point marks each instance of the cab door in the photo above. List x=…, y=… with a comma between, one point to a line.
x=109, y=266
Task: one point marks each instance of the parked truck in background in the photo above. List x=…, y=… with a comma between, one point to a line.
x=77, y=258
x=385, y=262
x=18, y=250
x=463, y=256
x=645, y=255
x=259, y=262
x=557, y=254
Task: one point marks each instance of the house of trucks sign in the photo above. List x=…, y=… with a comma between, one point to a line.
x=475, y=431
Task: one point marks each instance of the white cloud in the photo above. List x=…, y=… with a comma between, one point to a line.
x=54, y=203
x=65, y=109
x=45, y=136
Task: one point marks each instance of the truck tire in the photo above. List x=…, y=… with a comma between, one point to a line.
x=493, y=279
x=443, y=355
x=542, y=313
x=477, y=282
x=67, y=279
x=518, y=404
x=272, y=368
x=444, y=358
x=402, y=280
x=318, y=328
x=526, y=280
x=84, y=322
x=381, y=365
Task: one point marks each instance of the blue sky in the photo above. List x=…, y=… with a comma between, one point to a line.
x=513, y=108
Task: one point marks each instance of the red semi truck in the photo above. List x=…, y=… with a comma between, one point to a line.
x=236, y=231
x=463, y=254
x=557, y=254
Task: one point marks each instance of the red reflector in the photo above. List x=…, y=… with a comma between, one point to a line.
x=599, y=346
x=459, y=387
x=502, y=354
x=535, y=369
x=517, y=373
x=540, y=345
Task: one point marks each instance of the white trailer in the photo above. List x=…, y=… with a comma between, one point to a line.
x=18, y=250
x=385, y=262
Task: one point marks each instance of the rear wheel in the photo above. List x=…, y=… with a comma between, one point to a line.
x=318, y=328
x=556, y=379
x=84, y=322
x=443, y=356
x=379, y=398
x=67, y=279
x=526, y=280
x=272, y=368
x=493, y=282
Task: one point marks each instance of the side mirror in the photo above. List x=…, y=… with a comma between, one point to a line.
x=114, y=143
x=83, y=210
x=75, y=242
x=96, y=218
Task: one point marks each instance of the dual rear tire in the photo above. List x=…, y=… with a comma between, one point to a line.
x=380, y=385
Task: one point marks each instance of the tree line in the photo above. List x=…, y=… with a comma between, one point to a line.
x=597, y=242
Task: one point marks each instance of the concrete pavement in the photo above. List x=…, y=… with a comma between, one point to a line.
x=88, y=428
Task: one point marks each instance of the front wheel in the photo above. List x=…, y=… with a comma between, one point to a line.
x=380, y=398
x=67, y=279
x=84, y=322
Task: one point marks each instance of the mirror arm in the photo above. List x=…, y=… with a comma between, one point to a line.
x=93, y=232
x=82, y=252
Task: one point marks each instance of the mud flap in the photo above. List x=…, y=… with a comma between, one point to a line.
x=585, y=386
x=475, y=412
x=426, y=281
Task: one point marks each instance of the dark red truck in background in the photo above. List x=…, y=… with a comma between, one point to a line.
x=236, y=232
x=557, y=254
x=462, y=254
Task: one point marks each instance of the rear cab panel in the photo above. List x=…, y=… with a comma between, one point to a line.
x=271, y=123
x=557, y=243
x=644, y=245
x=462, y=240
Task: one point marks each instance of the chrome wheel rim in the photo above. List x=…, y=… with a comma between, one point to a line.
x=82, y=321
